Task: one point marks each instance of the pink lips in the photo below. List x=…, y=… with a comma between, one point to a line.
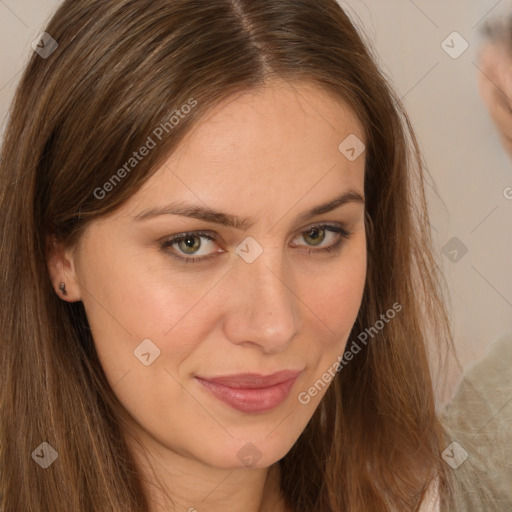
x=252, y=393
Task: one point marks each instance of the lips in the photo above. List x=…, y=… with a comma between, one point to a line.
x=250, y=392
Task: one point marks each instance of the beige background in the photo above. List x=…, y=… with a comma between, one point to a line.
x=461, y=148
x=460, y=144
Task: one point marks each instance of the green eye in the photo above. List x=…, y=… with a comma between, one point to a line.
x=197, y=243
x=190, y=244
x=316, y=234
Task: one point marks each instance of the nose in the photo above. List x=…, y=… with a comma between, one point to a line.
x=263, y=308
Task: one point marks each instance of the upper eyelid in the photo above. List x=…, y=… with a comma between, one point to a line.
x=211, y=236
x=338, y=229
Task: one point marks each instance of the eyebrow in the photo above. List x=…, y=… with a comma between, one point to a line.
x=243, y=223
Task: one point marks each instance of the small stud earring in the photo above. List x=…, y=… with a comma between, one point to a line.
x=62, y=287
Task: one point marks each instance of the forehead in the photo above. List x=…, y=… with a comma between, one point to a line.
x=276, y=112
x=269, y=146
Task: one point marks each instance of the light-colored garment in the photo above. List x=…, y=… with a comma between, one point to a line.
x=431, y=502
x=479, y=423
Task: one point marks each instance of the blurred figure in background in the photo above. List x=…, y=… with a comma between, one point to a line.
x=495, y=78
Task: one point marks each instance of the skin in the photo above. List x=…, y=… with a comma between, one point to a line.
x=495, y=87
x=271, y=155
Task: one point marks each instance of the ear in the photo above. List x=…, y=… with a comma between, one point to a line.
x=60, y=262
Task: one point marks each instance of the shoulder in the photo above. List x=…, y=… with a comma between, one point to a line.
x=478, y=422
x=482, y=404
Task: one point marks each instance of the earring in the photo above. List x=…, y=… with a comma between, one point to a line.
x=62, y=287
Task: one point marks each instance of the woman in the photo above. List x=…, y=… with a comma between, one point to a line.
x=218, y=285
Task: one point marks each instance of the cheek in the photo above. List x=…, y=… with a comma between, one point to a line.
x=339, y=301
x=335, y=305
x=129, y=302
x=337, y=296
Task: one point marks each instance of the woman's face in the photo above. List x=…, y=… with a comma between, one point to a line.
x=277, y=291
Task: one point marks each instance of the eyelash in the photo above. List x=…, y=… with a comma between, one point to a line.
x=333, y=248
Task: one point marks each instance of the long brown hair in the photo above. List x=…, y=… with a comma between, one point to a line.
x=121, y=69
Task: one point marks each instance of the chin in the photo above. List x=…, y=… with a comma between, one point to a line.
x=253, y=454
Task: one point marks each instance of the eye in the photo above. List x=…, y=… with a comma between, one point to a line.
x=316, y=235
x=199, y=244
x=190, y=244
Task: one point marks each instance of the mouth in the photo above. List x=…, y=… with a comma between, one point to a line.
x=249, y=392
